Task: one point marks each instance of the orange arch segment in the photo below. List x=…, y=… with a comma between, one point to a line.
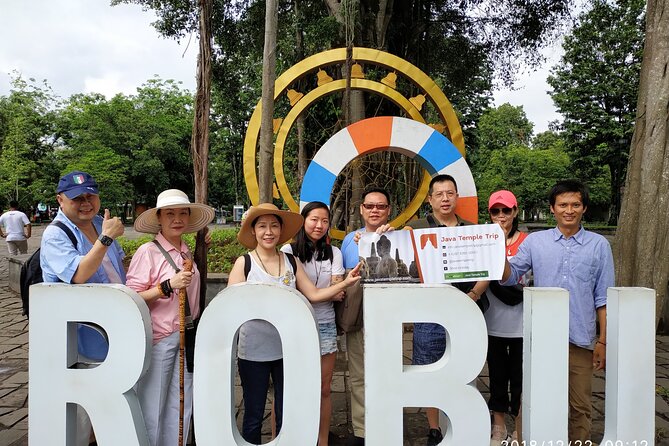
x=371, y=135
x=468, y=209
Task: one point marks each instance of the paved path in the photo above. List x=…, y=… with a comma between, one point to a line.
x=14, y=380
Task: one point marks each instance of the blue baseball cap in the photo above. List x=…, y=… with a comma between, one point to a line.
x=77, y=183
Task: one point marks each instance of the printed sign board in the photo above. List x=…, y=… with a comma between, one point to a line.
x=434, y=255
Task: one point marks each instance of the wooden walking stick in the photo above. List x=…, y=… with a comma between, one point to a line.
x=183, y=296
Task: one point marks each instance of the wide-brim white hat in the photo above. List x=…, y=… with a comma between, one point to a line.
x=291, y=223
x=200, y=214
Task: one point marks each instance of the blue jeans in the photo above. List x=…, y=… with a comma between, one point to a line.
x=429, y=343
x=255, y=383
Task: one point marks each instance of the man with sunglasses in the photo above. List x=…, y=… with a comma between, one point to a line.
x=375, y=211
x=581, y=262
x=429, y=340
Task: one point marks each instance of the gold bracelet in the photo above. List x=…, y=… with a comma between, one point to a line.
x=160, y=291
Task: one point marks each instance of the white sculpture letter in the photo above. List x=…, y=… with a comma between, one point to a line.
x=448, y=384
x=106, y=391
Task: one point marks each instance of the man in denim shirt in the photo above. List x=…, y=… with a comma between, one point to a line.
x=581, y=262
x=97, y=258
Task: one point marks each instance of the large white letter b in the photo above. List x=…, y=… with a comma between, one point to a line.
x=447, y=384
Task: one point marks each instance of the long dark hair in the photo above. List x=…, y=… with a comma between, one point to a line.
x=303, y=247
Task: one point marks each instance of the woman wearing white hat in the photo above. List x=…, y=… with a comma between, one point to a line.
x=156, y=274
x=259, y=348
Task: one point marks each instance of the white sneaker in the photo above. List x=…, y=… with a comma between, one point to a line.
x=498, y=435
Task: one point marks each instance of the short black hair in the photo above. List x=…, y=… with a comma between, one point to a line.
x=378, y=190
x=566, y=186
x=14, y=204
x=440, y=179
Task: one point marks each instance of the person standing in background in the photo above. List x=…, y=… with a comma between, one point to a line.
x=17, y=229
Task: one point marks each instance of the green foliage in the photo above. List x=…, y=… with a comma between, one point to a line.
x=501, y=127
x=528, y=173
x=595, y=87
x=222, y=253
x=138, y=145
x=26, y=126
x=505, y=160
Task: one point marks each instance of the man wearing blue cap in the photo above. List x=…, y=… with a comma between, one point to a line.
x=79, y=247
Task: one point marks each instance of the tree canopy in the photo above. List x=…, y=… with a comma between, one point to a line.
x=595, y=87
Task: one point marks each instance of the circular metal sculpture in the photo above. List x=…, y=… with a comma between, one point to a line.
x=384, y=63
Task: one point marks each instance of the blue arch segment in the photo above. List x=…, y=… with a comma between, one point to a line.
x=437, y=153
x=317, y=184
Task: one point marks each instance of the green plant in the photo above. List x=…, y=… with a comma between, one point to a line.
x=221, y=256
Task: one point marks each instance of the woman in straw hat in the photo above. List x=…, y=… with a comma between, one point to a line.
x=156, y=273
x=324, y=265
x=259, y=349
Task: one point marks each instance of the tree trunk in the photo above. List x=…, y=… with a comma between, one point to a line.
x=356, y=113
x=642, y=240
x=302, y=163
x=266, y=167
x=617, y=179
x=200, y=138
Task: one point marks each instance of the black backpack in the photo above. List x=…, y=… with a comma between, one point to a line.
x=31, y=271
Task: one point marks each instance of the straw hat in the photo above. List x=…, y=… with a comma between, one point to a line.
x=291, y=223
x=200, y=214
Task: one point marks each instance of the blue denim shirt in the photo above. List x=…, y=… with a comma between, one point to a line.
x=581, y=264
x=59, y=260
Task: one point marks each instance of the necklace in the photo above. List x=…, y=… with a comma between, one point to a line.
x=510, y=242
x=263, y=264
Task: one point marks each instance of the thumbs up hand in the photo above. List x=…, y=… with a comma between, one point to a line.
x=112, y=227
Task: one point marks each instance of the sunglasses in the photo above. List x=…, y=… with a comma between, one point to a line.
x=495, y=211
x=370, y=206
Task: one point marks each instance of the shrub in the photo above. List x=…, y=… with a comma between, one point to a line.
x=222, y=254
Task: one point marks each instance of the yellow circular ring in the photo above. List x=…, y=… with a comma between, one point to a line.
x=331, y=57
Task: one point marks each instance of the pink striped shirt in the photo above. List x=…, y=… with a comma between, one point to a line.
x=147, y=269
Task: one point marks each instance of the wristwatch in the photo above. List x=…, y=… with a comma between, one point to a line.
x=105, y=240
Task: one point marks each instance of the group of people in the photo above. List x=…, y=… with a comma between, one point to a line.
x=566, y=256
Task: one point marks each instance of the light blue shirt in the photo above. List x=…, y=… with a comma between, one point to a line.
x=581, y=264
x=60, y=259
x=349, y=250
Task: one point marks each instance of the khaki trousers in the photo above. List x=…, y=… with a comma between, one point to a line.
x=580, y=393
x=355, y=348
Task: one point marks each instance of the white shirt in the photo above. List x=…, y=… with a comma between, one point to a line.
x=320, y=273
x=14, y=221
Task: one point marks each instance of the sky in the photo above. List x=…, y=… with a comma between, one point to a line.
x=84, y=46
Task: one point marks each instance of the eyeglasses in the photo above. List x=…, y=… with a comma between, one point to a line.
x=441, y=194
x=495, y=211
x=379, y=206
